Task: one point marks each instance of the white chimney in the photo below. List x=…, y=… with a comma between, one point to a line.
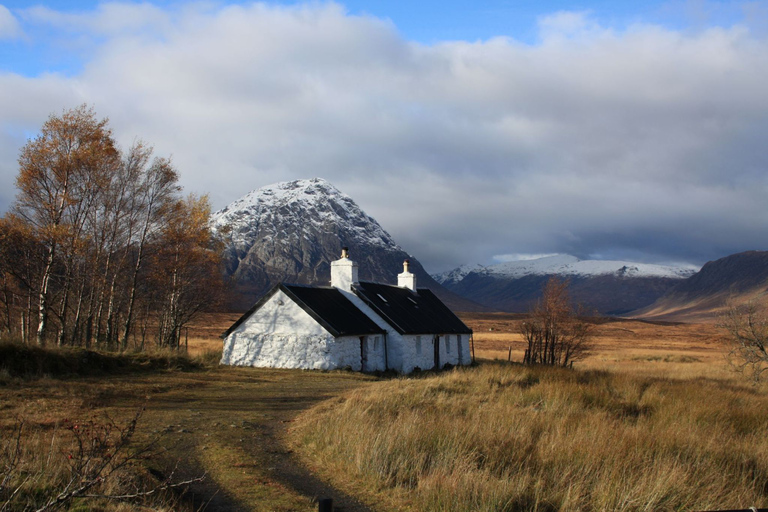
x=344, y=272
x=406, y=279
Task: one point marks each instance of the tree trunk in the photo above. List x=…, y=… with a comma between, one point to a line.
x=42, y=322
x=63, y=313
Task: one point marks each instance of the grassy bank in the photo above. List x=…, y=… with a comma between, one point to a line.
x=504, y=438
x=30, y=362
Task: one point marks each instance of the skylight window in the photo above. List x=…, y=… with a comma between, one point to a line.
x=411, y=299
x=382, y=298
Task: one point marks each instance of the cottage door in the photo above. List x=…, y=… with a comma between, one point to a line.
x=363, y=354
x=436, y=343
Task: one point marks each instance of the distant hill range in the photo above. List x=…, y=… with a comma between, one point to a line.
x=291, y=231
x=702, y=297
x=607, y=287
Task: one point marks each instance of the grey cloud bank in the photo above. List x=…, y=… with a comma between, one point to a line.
x=645, y=143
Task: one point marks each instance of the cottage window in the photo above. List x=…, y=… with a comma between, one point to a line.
x=418, y=345
x=447, y=344
x=375, y=343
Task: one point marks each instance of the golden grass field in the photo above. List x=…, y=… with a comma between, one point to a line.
x=652, y=419
x=672, y=350
x=506, y=438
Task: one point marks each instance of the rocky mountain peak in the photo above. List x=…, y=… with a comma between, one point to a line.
x=284, y=212
x=292, y=231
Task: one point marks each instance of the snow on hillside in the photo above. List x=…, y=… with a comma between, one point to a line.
x=297, y=208
x=457, y=274
x=568, y=266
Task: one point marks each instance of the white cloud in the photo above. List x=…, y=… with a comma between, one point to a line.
x=567, y=24
x=110, y=18
x=9, y=25
x=645, y=141
x=503, y=258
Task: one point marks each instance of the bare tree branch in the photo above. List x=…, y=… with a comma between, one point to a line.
x=556, y=334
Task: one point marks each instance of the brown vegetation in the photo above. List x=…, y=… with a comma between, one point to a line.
x=508, y=437
x=555, y=334
x=746, y=326
x=225, y=423
x=99, y=247
x=658, y=349
x=652, y=434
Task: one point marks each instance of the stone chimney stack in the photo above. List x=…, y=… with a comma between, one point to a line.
x=344, y=272
x=406, y=279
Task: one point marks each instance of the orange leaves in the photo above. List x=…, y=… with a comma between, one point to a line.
x=111, y=232
x=64, y=166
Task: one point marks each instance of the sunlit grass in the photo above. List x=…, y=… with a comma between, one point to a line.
x=503, y=437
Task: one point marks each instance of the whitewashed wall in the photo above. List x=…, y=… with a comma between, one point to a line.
x=345, y=352
x=375, y=360
x=459, y=350
x=417, y=354
x=393, y=341
x=425, y=359
x=448, y=352
x=282, y=335
x=466, y=356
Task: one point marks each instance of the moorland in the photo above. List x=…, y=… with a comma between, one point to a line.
x=651, y=419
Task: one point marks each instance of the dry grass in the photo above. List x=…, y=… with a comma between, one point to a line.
x=668, y=428
x=224, y=422
x=204, y=333
x=502, y=437
x=82, y=465
x=665, y=350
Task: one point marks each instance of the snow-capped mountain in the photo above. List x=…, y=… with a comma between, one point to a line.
x=612, y=287
x=291, y=232
x=457, y=274
x=288, y=212
x=566, y=265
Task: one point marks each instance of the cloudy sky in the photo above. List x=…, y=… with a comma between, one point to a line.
x=469, y=130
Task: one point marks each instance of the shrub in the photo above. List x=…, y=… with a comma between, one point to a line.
x=95, y=461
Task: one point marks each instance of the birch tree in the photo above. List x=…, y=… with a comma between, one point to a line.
x=187, y=269
x=101, y=234
x=59, y=173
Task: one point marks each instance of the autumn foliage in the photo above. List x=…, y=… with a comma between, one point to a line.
x=100, y=248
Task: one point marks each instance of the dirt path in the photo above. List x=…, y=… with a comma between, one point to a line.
x=226, y=423
x=231, y=424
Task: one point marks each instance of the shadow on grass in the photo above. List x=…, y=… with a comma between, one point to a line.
x=31, y=362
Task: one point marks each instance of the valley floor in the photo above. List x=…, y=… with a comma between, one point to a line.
x=661, y=349
x=233, y=423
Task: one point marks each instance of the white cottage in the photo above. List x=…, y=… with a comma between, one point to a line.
x=364, y=326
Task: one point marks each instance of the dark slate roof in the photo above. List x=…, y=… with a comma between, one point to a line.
x=411, y=312
x=328, y=306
